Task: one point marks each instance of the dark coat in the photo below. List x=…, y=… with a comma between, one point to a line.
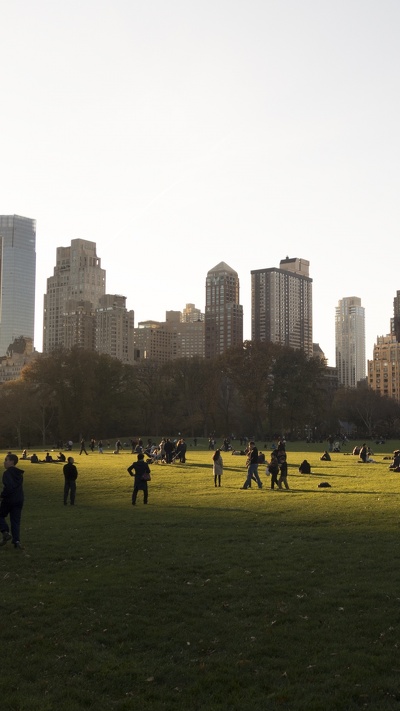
x=13, y=492
x=140, y=467
x=70, y=472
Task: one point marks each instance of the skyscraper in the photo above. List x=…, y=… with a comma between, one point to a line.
x=77, y=284
x=395, y=323
x=17, y=279
x=281, y=305
x=350, y=341
x=224, y=314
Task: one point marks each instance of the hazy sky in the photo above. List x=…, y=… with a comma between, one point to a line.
x=180, y=133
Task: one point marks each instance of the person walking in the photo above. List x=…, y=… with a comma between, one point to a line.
x=218, y=467
x=12, y=501
x=252, y=467
x=142, y=475
x=70, y=476
x=273, y=470
x=283, y=467
x=83, y=447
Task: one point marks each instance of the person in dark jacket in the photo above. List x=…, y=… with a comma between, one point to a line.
x=70, y=476
x=141, y=469
x=169, y=449
x=273, y=469
x=11, y=501
x=180, y=452
x=252, y=467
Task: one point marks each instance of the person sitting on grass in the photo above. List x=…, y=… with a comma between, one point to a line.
x=305, y=467
x=326, y=457
x=363, y=453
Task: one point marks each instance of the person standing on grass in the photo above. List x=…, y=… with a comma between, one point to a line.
x=142, y=475
x=70, y=476
x=218, y=467
x=12, y=501
x=83, y=446
x=252, y=467
x=273, y=469
x=169, y=449
x=181, y=449
x=283, y=468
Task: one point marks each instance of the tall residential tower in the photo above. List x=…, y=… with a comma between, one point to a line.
x=350, y=341
x=17, y=279
x=73, y=292
x=224, y=314
x=281, y=305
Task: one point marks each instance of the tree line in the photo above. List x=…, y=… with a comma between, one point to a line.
x=258, y=389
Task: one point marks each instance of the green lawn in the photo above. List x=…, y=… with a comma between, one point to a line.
x=214, y=599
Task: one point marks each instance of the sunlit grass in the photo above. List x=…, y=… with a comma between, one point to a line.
x=207, y=598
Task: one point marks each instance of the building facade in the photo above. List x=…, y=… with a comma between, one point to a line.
x=19, y=354
x=281, y=305
x=78, y=278
x=191, y=314
x=350, y=341
x=384, y=369
x=395, y=322
x=114, y=328
x=176, y=337
x=223, y=313
x=17, y=279
x=78, y=325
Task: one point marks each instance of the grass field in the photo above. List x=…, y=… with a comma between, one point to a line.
x=214, y=599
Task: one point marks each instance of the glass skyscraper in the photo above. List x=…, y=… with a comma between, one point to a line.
x=17, y=279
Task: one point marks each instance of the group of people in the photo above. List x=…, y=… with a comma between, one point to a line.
x=167, y=451
x=12, y=496
x=34, y=459
x=277, y=467
x=364, y=452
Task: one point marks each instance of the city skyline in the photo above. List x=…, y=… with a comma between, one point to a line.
x=180, y=135
x=164, y=307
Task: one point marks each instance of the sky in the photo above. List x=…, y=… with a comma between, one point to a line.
x=177, y=134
